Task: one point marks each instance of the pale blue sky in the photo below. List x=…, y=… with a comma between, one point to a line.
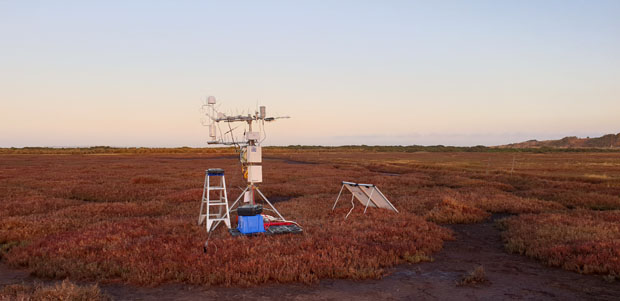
x=134, y=73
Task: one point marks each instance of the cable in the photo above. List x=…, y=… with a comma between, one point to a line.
x=284, y=220
x=352, y=207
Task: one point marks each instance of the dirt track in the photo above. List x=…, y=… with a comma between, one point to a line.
x=510, y=276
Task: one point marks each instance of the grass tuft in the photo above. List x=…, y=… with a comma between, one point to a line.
x=64, y=290
x=474, y=277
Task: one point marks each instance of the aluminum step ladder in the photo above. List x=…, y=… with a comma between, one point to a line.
x=214, y=210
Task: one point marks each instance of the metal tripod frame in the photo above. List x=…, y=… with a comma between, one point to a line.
x=231, y=208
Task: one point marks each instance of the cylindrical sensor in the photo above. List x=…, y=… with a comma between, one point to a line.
x=263, y=112
x=211, y=100
x=212, y=131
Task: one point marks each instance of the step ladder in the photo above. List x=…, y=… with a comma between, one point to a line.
x=216, y=209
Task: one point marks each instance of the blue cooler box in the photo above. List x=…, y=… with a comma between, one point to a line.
x=251, y=224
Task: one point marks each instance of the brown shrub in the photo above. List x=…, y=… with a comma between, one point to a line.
x=146, y=180
x=27, y=205
x=65, y=290
x=497, y=201
x=451, y=211
x=584, y=241
x=474, y=277
x=187, y=195
x=32, y=227
x=577, y=199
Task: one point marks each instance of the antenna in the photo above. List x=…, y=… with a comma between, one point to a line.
x=216, y=118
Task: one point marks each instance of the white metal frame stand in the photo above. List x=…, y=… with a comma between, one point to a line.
x=374, y=188
x=206, y=213
x=353, y=198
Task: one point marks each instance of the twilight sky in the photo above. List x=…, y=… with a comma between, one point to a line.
x=135, y=73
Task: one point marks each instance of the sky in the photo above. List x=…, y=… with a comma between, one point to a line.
x=135, y=73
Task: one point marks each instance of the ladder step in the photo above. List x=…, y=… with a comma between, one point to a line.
x=215, y=188
x=218, y=219
x=212, y=215
x=217, y=204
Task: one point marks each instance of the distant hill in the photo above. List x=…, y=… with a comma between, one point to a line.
x=607, y=141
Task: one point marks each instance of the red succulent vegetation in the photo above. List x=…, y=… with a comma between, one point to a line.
x=583, y=241
x=132, y=217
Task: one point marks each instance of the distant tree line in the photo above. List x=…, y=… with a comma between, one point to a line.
x=294, y=148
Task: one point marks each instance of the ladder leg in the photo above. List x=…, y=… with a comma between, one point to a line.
x=227, y=220
x=202, y=200
x=209, y=221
